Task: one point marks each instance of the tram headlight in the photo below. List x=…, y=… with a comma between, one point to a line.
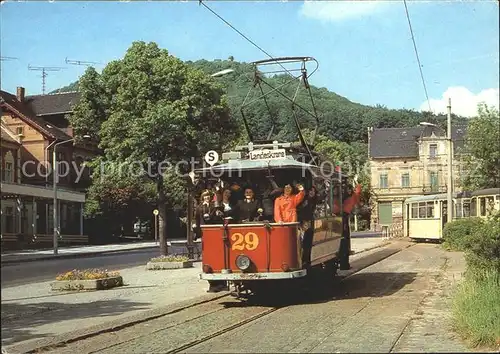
x=243, y=262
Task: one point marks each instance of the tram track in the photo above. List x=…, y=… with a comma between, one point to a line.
x=217, y=317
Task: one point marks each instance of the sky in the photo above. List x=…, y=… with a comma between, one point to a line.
x=364, y=48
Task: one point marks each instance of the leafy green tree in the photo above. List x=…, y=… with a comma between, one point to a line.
x=158, y=111
x=482, y=153
x=89, y=113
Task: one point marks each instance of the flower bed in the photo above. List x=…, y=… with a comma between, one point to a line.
x=169, y=262
x=87, y=279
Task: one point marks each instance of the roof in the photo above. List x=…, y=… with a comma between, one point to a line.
x=430, y=197
x=403, y=142
x=488, y=191
x=53, y=103
x=26, y=114
x=249, y=165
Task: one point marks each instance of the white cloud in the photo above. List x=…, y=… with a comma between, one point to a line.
x=463, y=102
x=341, y=9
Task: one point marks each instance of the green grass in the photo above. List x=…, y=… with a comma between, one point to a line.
x=476, y=310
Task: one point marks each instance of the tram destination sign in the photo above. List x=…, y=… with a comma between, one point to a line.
x=266, y=154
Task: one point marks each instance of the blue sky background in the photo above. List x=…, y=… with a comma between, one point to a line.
x=364, y=49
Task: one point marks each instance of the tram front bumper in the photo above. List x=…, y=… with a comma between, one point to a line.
x=254, y=276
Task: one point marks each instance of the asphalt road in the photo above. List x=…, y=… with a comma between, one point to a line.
x=46, y=270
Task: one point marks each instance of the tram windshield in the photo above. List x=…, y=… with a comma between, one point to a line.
x=250, y=195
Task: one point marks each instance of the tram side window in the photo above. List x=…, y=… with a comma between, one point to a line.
x=466, y=210
x=482, y=206
x=473, y=207
x=422, y=210
x=322, y=201
x=414, y=211
x=458, y=209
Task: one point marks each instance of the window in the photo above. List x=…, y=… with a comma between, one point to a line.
x=422, y=210
x=482, y=206
x=8, y=168
x=414, y=211
x=466, y=209
x=433, y=151
x=473, y=207
x=434, y=181
x=458, y=209
x=384, y=181
x=19, y=130
x=405, y=180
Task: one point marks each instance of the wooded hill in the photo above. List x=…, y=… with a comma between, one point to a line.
x=340, y=119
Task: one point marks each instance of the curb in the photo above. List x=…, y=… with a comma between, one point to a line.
x=75, y=255
x=114, y=325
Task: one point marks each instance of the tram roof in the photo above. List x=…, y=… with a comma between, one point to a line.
x=488, y=191
x=424, y=198
x=253, y=165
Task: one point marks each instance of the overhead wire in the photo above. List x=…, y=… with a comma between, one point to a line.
x=201, y=2
x=418, y=58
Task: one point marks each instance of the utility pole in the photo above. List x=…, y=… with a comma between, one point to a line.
x=44, y=70
x=449, y=189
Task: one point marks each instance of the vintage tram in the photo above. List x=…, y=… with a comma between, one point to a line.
x=425, y=216
x=252, y=254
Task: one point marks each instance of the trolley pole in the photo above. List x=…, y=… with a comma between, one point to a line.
x=449, y=189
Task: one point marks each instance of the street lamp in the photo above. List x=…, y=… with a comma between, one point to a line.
x=55, y=178
x=222, y=72
x=189, y=219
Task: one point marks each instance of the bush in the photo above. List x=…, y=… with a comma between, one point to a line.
x=477, y=311
x=457, y=234
x=86, y=274
x=170, y=258
x=483, y=254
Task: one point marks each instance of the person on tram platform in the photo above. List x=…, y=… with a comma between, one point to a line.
x=269, y=195
x=285, y=206
x=205, y=213
x=225, y=208
x=249, y=209
x=306, y=217
x=350, y=202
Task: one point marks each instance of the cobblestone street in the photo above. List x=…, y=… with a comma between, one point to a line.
x=399, y=304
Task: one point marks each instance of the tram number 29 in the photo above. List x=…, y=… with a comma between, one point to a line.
x=249, y=241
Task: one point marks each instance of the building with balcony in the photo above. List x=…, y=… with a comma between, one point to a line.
x=31, y=125
x=406, y=162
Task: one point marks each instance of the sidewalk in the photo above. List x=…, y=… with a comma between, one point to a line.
x=86, y=251
x=176, y=246
x=33, y=312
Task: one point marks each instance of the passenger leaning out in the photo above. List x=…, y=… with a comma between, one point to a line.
x=205, y=212
x=285, y=206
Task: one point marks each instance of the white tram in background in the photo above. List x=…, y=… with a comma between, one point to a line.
x=425, y=216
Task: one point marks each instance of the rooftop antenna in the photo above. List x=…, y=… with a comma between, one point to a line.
x=44, y=70
x=8, y=58
x=81, y=62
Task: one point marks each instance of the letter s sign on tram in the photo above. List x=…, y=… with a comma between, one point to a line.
x=211, y=157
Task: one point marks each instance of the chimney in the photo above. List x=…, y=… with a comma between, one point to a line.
x=20, y=94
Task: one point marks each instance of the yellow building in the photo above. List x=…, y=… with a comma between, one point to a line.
x=31, y=125
x=406, y=162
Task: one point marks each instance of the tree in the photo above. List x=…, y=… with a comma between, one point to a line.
x=89, y=113
x=481, y=148
x=158, y=111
